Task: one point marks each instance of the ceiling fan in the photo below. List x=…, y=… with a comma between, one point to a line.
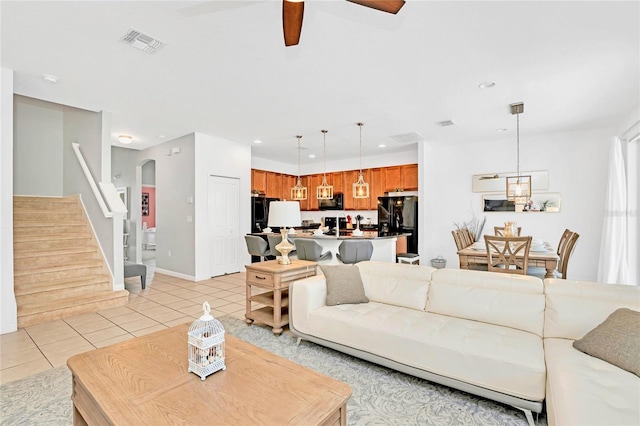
x=293, y=11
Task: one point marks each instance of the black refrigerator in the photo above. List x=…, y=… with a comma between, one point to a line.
x=399, y=215
x=260, y=213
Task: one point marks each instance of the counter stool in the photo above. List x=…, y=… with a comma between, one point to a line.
x=410, y=258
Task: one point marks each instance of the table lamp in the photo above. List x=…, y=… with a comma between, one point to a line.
x=284, y=214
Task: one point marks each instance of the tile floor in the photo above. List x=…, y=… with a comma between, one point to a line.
x=166, y=301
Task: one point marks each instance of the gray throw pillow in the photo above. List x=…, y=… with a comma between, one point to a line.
x=616, y=340
x=344, y=285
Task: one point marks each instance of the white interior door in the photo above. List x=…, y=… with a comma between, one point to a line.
x=224, y=225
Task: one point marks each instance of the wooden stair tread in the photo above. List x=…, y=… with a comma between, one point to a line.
x=53, y=285
x=23, y=254
x=88, y=263
x=49, y=237
x=62, y=304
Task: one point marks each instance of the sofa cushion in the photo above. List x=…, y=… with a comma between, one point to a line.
x=396, y=284
x=344, y=284
x=490, y=356
x=515, y=301
x=573, y=308
x=583, y=390
x=616, y=340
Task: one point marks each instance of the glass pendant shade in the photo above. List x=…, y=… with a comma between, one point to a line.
x=324, y=191
x=299, y=192
x=360, y=188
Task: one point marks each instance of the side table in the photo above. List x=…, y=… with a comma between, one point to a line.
x=275, y=277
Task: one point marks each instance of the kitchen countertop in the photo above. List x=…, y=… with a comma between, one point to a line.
x=367, y=235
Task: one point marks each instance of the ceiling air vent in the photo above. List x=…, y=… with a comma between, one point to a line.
x=142, y=41
x=445, y=123
x=412, y=137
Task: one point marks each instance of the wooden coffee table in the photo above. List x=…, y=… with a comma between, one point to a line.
x=144, y=381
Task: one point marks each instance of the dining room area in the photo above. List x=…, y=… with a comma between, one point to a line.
x=510, y=250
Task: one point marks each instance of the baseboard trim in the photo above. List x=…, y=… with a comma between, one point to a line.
x=175, y=274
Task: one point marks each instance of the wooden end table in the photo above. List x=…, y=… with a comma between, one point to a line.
x=275, y=277
x=145, y=381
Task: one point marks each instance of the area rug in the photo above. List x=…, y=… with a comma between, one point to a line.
x=380, y=396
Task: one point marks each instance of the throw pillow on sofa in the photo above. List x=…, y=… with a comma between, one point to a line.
x=616, y=340
x=344, y=285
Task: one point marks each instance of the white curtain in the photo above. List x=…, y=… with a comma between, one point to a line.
x=618, y=263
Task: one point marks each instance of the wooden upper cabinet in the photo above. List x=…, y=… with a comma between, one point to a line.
x=274, y=185
x=376, y=186
x=392, y=178
x=410, y=177
x=348, y=179
x=259, y=180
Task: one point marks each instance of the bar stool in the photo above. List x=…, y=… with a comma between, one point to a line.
x=410, y=258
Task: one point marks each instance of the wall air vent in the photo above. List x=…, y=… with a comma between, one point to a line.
x=142, y=41
x=445, y=123
x=412, y=137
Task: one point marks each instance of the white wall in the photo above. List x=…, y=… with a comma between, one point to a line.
x=8, y=309
x=577, y=165
x=220, y=157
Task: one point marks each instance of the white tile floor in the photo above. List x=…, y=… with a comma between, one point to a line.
x=166, y=301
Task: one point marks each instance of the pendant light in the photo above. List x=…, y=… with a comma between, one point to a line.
x=360, y=188
x=299, y=192
x=324, y=191
x=518, y=187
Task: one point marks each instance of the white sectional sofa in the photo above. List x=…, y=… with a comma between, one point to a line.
x=480, y=332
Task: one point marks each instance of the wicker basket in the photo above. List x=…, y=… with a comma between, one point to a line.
x=439, y=262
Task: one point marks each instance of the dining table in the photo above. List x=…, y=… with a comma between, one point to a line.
x=541, y=254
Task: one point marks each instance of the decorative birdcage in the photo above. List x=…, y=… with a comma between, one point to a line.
x=206, y=344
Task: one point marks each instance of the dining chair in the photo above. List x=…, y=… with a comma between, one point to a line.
x=508, y=255
x=257, y=246
x=463, y=239
x=308, y=249
x=354, y=251
x=499, y=231
x=565, y=248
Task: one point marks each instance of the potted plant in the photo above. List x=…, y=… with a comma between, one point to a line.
x=545, y=204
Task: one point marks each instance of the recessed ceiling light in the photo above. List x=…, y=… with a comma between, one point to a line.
x=257, y=141
x=50, y=78
x=382, y=145
x=312, y=156
x=501, y=130
x=161, y=136
x=125, y=139
x=486, y=85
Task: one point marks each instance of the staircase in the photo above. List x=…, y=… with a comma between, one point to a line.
x=59, y=270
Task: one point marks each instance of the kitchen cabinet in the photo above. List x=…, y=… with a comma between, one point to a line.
x=380, y=179
x=392, y=178
x=259, y=180
x=410, y=177
x=376, y=187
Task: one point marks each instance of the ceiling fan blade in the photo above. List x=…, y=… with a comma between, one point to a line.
x=390, y=6
x=494, y=177
x=292, y=13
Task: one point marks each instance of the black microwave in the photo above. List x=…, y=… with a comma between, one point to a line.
x=336, y=203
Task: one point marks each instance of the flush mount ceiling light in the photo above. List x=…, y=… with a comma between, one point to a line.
x=518, y=187
x=360, y=188
x=299, y=192
x=486, y=85
x=324, y=191
x=125, y=139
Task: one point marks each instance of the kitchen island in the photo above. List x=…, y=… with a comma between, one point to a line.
x=384, y=247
